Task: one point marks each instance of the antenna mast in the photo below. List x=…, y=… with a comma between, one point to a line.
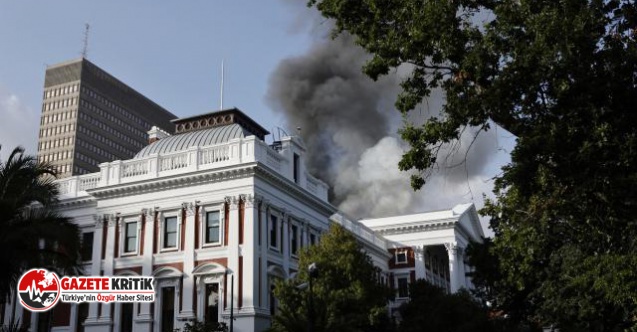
x=222, y=73
x=85, y=48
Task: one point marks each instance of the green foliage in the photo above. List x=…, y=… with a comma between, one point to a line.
x=432, y=308
x=347, y=296
x=561, y=76
x=198, y=326
x=33, y=234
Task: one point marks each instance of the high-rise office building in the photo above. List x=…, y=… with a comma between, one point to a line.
x=90, y=117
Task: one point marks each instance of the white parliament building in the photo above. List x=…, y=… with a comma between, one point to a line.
x=213, y=206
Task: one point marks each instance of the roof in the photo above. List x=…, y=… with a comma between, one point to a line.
x=464, y=215
x=219, y=118
x=452, y=213
x=205, y=137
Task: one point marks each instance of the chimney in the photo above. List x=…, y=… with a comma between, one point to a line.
x=155, y=134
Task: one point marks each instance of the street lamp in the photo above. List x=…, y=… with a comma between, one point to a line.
x=313, y=272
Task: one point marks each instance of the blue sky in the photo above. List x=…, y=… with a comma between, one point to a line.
x=169, y=51
x=172, y=52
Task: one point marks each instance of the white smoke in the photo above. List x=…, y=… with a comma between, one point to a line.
x=350, y=127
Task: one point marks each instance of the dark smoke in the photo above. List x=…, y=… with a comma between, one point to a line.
x=341, y=112
x=348, y=123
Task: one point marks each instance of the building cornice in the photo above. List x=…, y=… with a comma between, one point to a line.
x=264, y=173
x=76, y=202
x=175, y=181
x=423, y=226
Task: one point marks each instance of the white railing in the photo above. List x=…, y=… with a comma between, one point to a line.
x=214, y=154
x=134, y=168
x=64, y=187
x=270, y=157
x=359, y=230
x=172, y=162
x=234, y=152
x=88, y=181
x=78, y=183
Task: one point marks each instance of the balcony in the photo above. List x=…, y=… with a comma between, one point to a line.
x=235, y=152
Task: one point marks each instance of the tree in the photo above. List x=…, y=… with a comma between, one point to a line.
x=562, y=77
x=432, y=308
x=347, y=295
x=33, y=234
x=197, y=326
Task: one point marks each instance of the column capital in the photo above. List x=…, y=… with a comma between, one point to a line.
x=149, y=214
x=250, y=200
x=232, y=202
x=100, y=220
x=189, y=207
x=452, y=248
x=112, y=219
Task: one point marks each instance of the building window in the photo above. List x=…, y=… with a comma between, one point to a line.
x=170, y=232
x=294, y=240
x=87, y=246
x=401, y=257
x=403, y=286
x=130, y=243
x=296, y=168
x=273, y=232
x=212, y=227
x=312, y=239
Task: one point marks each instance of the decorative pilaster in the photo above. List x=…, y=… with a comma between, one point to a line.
x=96, y=262
x=250, y=252
x=263, y=272
x=144, y=321
x=419, y=255
x=188, y=282
x=105, y=315
x=233, y=247
x=285, y=240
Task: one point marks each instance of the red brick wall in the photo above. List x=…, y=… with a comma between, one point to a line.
x=411, y=261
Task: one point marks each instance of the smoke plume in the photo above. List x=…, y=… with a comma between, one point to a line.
x=349, y=125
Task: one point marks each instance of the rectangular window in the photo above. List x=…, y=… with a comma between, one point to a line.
x=403, y=287
x=130, y=243
x=87, y=246
x=312, y=239
x=212, y=227
x=273, y=231
x=294, y=239
x=401, y=257
x=296, y=168
x=170, y=232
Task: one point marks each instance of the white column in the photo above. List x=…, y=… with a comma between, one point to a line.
x=285, y=241
x=145, y=319
x=265, y=245
x=462, y=273
x=187, y=311
x=96, y=264
x=419, y=255
x=233, y=249
x=250, y=253
x=105, y=315
x=452, y=249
